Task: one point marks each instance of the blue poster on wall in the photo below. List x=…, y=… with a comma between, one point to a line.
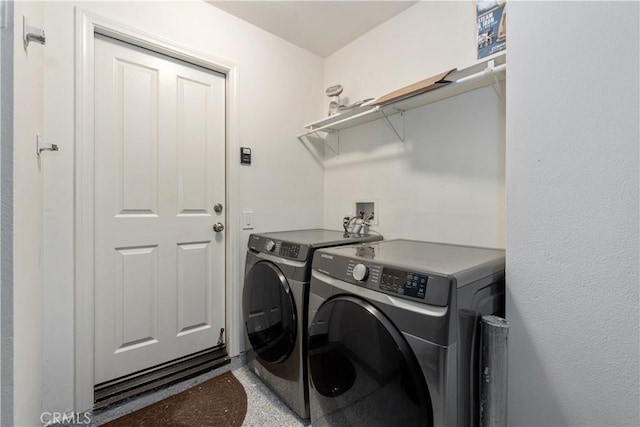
x=492, y=27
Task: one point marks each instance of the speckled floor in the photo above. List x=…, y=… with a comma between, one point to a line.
x=264, y=409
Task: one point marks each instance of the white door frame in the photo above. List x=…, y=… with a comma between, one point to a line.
x=86, y=26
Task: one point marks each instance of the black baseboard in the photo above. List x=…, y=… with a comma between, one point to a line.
x=122, y=388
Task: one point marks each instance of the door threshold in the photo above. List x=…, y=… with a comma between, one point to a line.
x=122, y=388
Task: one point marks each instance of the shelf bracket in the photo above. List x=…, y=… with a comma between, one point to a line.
x=497, y=89
x=491, y=65
x=336, y=151
x=393, y=128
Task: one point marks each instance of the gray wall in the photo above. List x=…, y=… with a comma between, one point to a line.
x=572, y=213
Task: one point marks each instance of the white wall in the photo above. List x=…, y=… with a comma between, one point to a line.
x=572, y=242
x=572, y=208
x=27, y=221
x=280, y=87
x=3, y=139
x=6, y=215
x=446, y=181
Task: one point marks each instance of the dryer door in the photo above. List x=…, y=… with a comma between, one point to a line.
x=362, y=370
x=269, y=312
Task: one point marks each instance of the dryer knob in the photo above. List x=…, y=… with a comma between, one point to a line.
x=360, y=272
x=270, y=246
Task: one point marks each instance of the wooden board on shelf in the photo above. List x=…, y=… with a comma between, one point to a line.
x=426, y=85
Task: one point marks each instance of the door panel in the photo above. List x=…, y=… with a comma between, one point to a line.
x=193, y=293
x=136, y=299
x=136, y=138
x=193, y=102
x=159, y=169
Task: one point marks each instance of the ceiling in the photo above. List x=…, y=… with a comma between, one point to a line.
x=321, y=27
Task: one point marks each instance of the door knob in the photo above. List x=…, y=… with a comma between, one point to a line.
x=218, y=227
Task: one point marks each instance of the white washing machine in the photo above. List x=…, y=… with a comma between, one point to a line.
x=395, y=332
x=275, y=298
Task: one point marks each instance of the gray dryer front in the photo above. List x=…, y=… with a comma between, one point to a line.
x=275, y=307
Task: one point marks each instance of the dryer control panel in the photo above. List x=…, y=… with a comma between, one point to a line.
x=289, y=250
x=279, y=248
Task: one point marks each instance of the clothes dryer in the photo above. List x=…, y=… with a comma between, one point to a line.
x=395, y=332
x=275, y=298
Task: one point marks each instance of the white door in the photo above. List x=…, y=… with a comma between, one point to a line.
x=159, y=171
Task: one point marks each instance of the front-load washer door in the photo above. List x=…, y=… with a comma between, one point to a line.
x=362, y=370
x=269, y=312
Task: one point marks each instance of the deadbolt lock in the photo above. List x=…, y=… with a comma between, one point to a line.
x=217, y=207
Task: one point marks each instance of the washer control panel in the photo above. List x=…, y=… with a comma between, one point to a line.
x=389, y=279
x=415, y=285
x=404, y=283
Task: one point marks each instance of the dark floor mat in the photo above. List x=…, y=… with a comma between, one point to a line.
x=220, y=401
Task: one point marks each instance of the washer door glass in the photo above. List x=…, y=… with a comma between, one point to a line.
x=362, y=370
x=269, y=312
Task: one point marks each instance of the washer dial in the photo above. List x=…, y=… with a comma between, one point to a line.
x=360, y=272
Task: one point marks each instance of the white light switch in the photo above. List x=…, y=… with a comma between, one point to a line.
x=247, y=220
